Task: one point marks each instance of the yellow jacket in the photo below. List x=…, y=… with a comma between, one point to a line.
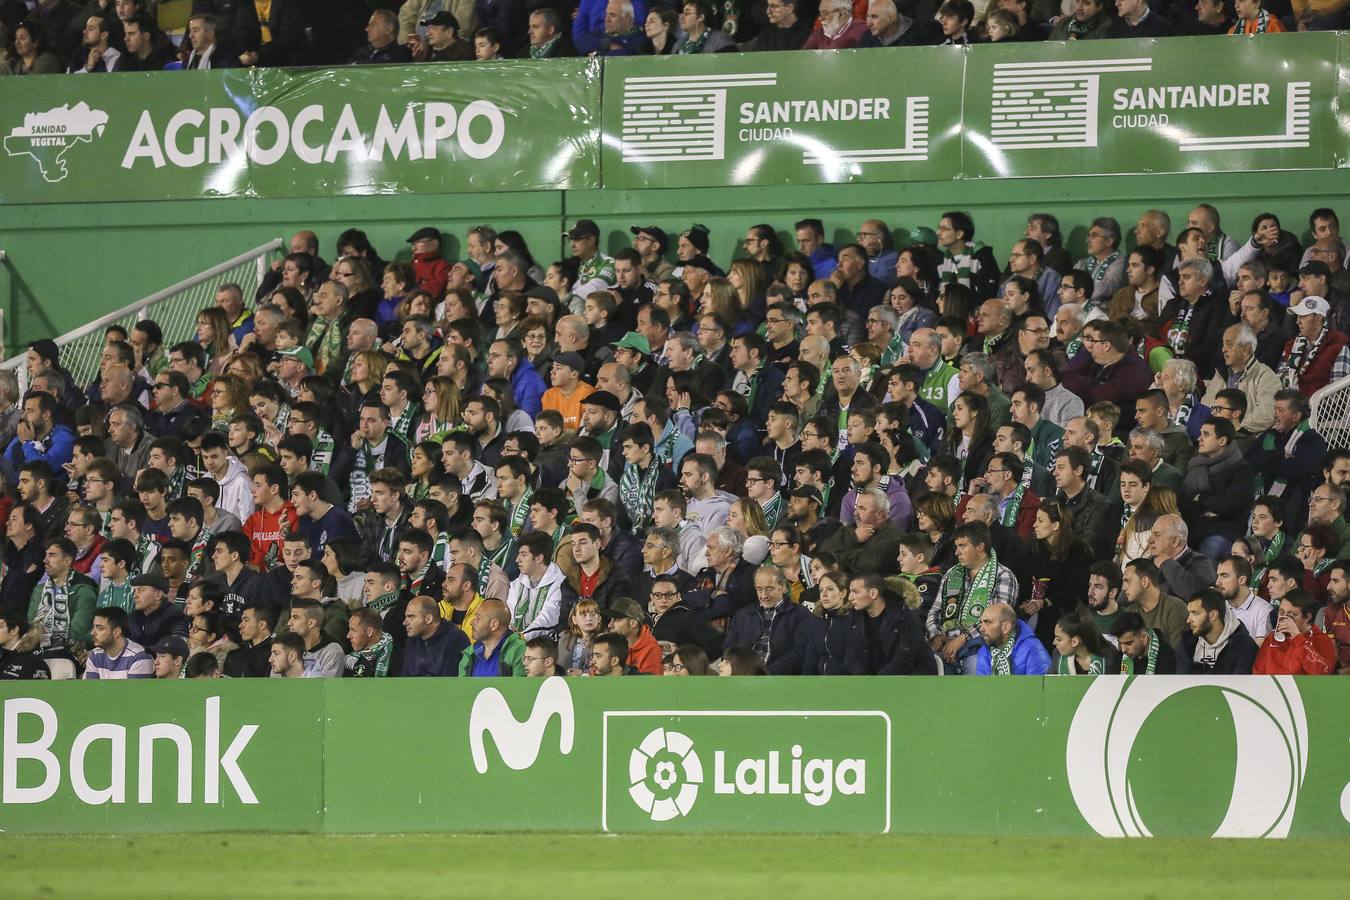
x=448, y=612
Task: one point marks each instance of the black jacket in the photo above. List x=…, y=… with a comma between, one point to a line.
x=1236, y=658
x=436, y=656
x=289, y=45
x=900, y=647
x=1166, y=664
x=826, y=644
x=625, y=551
x=249, y=661
x=738, y=592
x=237, y=28
x=787, y=636
x=680, y=625
x=614, y=583
x=18, y=665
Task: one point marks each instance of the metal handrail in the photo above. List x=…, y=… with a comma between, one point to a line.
x=145, y=302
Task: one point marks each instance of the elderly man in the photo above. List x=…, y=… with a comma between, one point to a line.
x=727, y=583
x=1242, y=370
x=206, y=51
x=774, y=627
x=977, y=375
x=785, y=31
x=383, y=46
x=1317, y=355
x=941, y=380
x=886, y=27
x=1104, y=263
x=1184, y=571
x=997, y=339
x=442, y=42
x=872, y=544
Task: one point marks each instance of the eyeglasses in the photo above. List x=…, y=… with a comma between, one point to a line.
x=779, y=544
x=162, y=384
x=533, y=659
x=574, y=461
x=750, y=478
x=860, y=234
x=774, y=321
x=664, y=595
x=680, y=667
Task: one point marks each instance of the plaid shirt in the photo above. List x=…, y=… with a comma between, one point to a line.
x=1341, y=367
x=766, y=617
x=1005, y=591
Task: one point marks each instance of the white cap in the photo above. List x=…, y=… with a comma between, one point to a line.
x=1311, y=306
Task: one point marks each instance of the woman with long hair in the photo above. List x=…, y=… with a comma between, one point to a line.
x=416, y=302
x=228, y=395
x=513, y=240
x=909, y=302
x=750, y=282
x=1143, y=504
x=689, y=659
x=721, y=298
x=662, y=30
x=918, y=262
x=959, y=302
x=367, y=371
x=425, y=468
x=827, y=630
x=247, y=366
x=562, y=277
x=747, y=517
x=742, y=661
x=785, y=551
x=584, y=625
x=342, y=559
x=215, y=336
x=1080, y=646
x=32, y=53
x=1059, y=568
x=441, y=404
x=293, y=304
x=684, y=397
x=363, y=294
x=935, y=515
x=971, y=439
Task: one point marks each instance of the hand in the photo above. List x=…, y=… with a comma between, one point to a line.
x=24, y=430
x=94, y=57
x=953, y=647
x=418, y=47
x=837, y=277
x=356, y=440
x=248, y=58
x=1235, y=302
x=1031, y=607
x=978, y=485
x=864, y=533
x=1287, y=625
x=937, y=642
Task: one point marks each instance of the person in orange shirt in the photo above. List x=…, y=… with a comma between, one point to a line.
x=628, y=619
x=1252, y=19
x=1296, y=646
x=568, y=389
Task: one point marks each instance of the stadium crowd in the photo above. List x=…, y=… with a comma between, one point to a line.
x=51, y=36
x=903, y=455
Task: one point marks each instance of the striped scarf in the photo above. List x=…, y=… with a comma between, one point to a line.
x=956, y=268
x=1097, y=268
x=519, y=511
x=119, y=595
x=1274, y=547
x=53, y=612
x=373, y=660
x=637, y=492
x=322, y=456
x=384, y=601
x=1000, y=658
x=964, y=603
x=773, y=509
x=1127, y=663
x=406, y=421
x=1068, y=665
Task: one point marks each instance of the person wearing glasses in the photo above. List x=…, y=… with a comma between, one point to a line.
x=838, y=29
x=786, y=30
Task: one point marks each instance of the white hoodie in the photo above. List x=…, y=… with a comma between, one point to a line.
x=535, y=607
x=236, y=491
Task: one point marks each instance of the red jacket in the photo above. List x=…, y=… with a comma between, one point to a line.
x=84, y=564
x=1311, y=653
x=645, y=654
x=1338, y=627
x=265, y=535
x=1318, y=374
x=1026, y=516
x=432, y=273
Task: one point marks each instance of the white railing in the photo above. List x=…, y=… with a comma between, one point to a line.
x=174, y=309
x=1331, y=413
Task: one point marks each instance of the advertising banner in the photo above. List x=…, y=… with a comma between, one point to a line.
x=1205, y=104
x=441, y=128
x=783, y=118
x=1263, y=757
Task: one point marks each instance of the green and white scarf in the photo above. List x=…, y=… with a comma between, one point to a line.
x=484, y=571
x=405, y=423
x=519, y=511
x=637, y=492
x=527, y=604
x=1127, y=663
x=1097, y=268
x=664, y=451
x=53, y=613
x=965, y=604
x=956, y=269
x=1073, y=346
x=542, y=51
x=1215, y=244
x=1013, y=508
x=503, y=554
x=690, y=45
x=1096, y=667
x=119, y=595
x=362, y=467
x=440, y=552
x=378, y=654
x=773, y=509
x=147, y=548
x=1000, y=658
x=384, y=601
x=322, y=456
x=1272, y=552
x=177, y=481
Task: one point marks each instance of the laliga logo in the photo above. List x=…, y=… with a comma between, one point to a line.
x=675, y=763
x=517, y=742
x=1272, y=752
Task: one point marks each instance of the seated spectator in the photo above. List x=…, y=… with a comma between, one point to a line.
x=1143, y=650
x=496, y=650
x=1217, y=643
x=434, y=647
x=774, y=628
x=888, y=27
x=113, y=656
x=1088, y=21
x=1253, y=19
x=1138, y=21
x=955, y=18
x=1007, y=645
x=699, y=35
x=382, y=38
x=207, y=53
x=442, y=42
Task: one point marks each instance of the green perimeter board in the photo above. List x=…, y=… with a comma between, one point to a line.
x=808, y=117
x=1165, y=756
x=302, y=132
x=1202, y=104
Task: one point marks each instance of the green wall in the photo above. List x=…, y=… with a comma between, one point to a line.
x=67, y=264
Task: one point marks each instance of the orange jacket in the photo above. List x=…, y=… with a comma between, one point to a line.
x=645, y=654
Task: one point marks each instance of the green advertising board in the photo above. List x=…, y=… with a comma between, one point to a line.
x=301, y=132
x=1205, y=104
x=815, y=117
x=1247, y=756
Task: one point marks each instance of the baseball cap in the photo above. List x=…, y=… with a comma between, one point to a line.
x=602, y=399
x=921, y=234
x=443, y=20
x=627, y=608
x=583, y=228
x=172, y=645
x=300, y=353
x=1311, y=306
x=633, y=341
x=1316, y=267
x=151, y=579
x=474, y=268
x=652, y=232
x=808, y=492
x=572, y=360
x=543, y=292
x=698, y=235
x=425, y=234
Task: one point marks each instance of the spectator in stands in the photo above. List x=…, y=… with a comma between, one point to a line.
x=699, y=35
x=1217, y=643
x=97, y=52
x=434, y=646
x=1318, y=354
x=114, y=655
x=287, y=658
x=496, y=650
x=442, y=42
x=621, y=35
x=1007, y=645
x=1089, y=20
x=38, y=437
x=382, y=38
x=1138, y=21
x=956, y=17
x=784, y=30
x=1143, y=651
x=207, y=52
x=1253, y=19
x=884, y=636
x=887, y=27
x=628, y=620
x=32, y=52
x=156, y=615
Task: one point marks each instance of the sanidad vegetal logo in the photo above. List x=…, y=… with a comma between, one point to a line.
x=809, y=770
x=48, y=137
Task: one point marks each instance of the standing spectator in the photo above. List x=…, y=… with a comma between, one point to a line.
x=283, y=41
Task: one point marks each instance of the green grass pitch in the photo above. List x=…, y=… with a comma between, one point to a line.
x=600, y=866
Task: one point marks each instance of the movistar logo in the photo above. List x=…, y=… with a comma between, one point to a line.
x=1272, y=751
x=48, y=136
x=518, y=742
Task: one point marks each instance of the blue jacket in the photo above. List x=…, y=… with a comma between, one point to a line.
x=788, y=635
x=56, y=450
x=588, y=26
x=825, y=260
x=527, y=387
x=436, y=656
x=1029, y=656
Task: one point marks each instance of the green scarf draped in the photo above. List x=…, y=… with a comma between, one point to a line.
x=964, y=605
x=384, y=601
x=117, y=595
x=519, y=511
x=1000, y=658
x=637, y=492
x=1013, y=508
x=53, y=613
x=322, y=457
x=1272, y=553
x=773, y=510
x=1096, y=667
x=407, y=420
x=377, y=654
x=1127, y=664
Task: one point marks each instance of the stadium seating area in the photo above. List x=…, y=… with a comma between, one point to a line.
x=50, y=36
x=903, y=455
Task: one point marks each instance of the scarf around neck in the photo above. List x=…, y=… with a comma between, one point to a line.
x=968, y=596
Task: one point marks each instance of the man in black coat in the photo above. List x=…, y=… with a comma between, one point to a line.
x=884, y=636
x=1218, y=644
x=677, y=624
x=775, y=627
x=727, y=584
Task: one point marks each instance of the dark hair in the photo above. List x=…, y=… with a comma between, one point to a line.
x=616, y=643
x=115, y=616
